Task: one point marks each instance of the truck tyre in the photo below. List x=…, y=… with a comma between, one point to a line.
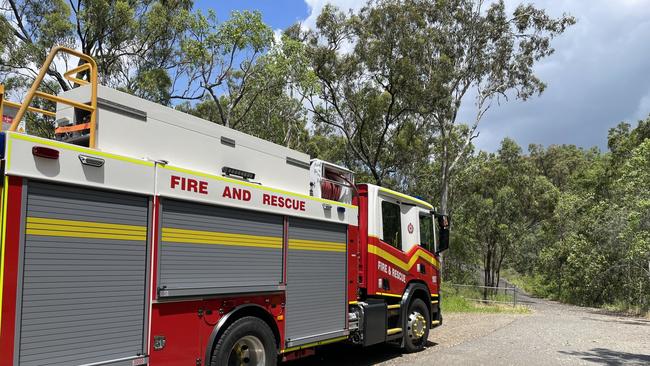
x=248, y=341
x=418, y=322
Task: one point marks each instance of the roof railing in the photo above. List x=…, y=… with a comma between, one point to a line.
x=89, y=68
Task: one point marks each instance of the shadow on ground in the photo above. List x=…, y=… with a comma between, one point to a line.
x=619, y=320
x=610, y=357
x=633, y=317
x=346, y=354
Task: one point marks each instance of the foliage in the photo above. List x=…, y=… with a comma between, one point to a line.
x=530, y=284
x=602, y=253
x=222, y=61
x=362, y=90
x=474, y=51
x=399, y=70
x=459, y=301
x=379, y=91
x=244, y=79
x=133, y=42
x=571, y=224
x=505, y=201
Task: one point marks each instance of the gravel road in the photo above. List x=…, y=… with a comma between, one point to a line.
x=553, y=334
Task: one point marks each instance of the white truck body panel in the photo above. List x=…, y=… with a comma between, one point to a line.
x=118, y=172
x=122, y=173
x=138, y=128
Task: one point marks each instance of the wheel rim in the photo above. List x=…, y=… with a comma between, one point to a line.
x=417, y=325
x=247, y=351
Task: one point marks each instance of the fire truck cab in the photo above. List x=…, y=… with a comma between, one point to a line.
x=141, y=235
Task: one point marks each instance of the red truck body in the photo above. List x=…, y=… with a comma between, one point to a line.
x=112, y=257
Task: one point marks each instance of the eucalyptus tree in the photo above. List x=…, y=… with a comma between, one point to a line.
x=363, y=87
x=506, y=200
x=398, y=63
x=245, y=78
x=133, y=42
x=473, y=51
x=221, y=62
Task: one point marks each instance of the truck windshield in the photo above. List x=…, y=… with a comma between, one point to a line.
x=426, y=232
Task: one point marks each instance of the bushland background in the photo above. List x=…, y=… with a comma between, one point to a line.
x=379, y=90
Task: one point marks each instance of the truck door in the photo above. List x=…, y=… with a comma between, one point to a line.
x=395, y=243
x=427, y=241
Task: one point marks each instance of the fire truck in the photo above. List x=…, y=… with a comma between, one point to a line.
x=141, y=235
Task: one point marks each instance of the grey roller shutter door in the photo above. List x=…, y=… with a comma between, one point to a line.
x=84, y=277
x=215, y=250
x=316, y=281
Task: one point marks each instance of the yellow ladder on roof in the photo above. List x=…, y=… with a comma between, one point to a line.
x=90, y=70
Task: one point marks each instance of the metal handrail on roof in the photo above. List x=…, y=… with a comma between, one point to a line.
x=89, y=68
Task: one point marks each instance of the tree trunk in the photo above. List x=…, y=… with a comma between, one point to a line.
x=444, y=195
x=375, y=174
x=494, y=267
x=498, y=268
x=487, y=271
x=444, y=180
x=498, y=273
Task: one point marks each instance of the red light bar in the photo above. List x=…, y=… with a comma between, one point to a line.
x=45, y=152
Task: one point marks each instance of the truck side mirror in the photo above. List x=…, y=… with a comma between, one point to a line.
x=443, y=233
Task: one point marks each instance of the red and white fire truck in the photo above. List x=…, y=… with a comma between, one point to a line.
x=143, y=235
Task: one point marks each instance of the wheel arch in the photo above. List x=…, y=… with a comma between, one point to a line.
x=416, y=289
x=235, y=314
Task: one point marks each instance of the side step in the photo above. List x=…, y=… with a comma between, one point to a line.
x=393, y=331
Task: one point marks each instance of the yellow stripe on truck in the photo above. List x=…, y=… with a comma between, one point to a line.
x=87, y=224
x=400, y=263
x=324, y=246
x=319, y=343
x=185, y=236
x=84, y=229
x=65, y=146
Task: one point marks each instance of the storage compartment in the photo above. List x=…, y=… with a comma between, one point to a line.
x=316, y=281
x=208, y=250
x=84, y=281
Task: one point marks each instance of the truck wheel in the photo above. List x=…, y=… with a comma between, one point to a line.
x=417, y=326
x=247, y=342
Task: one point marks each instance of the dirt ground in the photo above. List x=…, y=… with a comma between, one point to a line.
x=552, y=334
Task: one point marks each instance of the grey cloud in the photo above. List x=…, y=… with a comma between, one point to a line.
x=598, y=76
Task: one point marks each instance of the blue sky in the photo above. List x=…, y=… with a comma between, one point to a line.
x=598, y=76
x=278, y=14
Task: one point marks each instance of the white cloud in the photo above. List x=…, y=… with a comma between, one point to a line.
x=316, y=6
x=277, y=35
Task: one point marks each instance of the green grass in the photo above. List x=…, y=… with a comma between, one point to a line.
x=535, y=286
x=627, y=309
x=532, y=285
x=457, y=301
